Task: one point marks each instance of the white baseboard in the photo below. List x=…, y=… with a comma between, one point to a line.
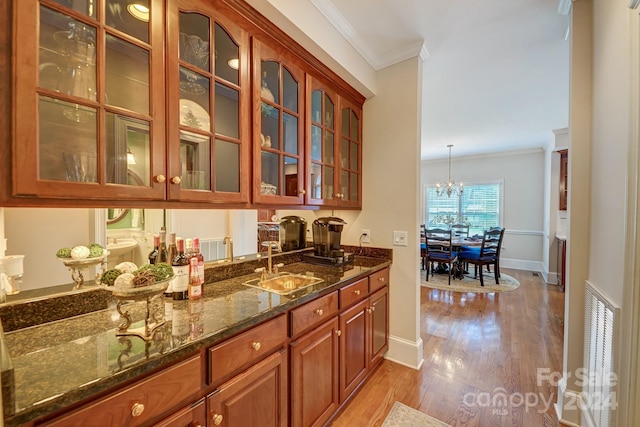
x=567, y=405
x=405, y=352
x=519, y=264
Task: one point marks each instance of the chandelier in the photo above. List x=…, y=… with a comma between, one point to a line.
x=450, y=186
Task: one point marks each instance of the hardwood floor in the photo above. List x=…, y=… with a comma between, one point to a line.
x=482, y=353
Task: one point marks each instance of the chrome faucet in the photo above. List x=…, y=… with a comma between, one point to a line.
x=229, y=243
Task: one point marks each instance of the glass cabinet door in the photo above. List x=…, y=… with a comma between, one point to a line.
x=208, y=84
x=350, y=157
x=322, y=142
x=278, y=128
x=88, y=113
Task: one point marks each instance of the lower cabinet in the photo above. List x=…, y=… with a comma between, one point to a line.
x=192, y=416
x=314, y=375
x=378, y=326
x=256, y=397
x=354, y=358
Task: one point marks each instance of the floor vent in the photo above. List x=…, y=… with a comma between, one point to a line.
x=599, y=391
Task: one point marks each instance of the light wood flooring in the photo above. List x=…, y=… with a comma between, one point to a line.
x=477, y=348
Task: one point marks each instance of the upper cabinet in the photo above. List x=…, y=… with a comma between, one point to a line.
x=278, y=138
x=88, y=110
x=172, y=103
x=208, y=97
x=335, y=148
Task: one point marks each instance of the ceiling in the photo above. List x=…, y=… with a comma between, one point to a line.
x=496, y=77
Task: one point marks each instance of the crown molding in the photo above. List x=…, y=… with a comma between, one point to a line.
x=333, y=15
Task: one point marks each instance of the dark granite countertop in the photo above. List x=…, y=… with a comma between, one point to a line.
x=60, y=363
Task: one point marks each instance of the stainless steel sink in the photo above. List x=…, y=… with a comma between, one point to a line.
x=284, y=283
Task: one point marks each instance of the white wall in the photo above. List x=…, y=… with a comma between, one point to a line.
x=522, y=175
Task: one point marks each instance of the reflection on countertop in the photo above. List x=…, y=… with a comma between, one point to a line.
x=82, y=355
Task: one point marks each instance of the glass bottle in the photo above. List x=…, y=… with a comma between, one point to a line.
x=188, y=247
x=172, y=247
x=198, y=255
x=163, y=254
x=195, y=284
x=180, y=264
x=153, y=255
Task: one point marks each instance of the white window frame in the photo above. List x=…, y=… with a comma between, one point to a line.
x=499, y=183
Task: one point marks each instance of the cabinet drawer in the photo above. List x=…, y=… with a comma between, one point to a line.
x=314, y=312
x=378, y=279
x=354, y=292
x=245, y=349
x=143, y=402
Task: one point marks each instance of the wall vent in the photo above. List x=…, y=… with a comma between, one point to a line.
x=599, y=397
x=212, y=249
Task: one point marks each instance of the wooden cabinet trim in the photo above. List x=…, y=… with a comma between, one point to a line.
x=354, y=292
x=378, y=279
x=313, y=313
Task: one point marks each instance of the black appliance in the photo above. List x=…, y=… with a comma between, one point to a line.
x=327, y=232
x=293, y=233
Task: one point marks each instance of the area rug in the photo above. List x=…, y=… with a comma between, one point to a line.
x=469, y=284
x=404, y=416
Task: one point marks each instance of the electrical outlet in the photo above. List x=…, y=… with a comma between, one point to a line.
x=400, y=238
x=366, y=236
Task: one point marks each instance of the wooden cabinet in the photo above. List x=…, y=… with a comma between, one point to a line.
x=88, y=108
x=192, y=416
x=208, y=103
x=378, y=327
x=144, y=402
x=334, y=147
x=278, y=133
x=564, y=182
x=257, y=397
x=314, y=375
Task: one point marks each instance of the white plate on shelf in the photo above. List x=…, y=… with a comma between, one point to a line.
x=193, y=115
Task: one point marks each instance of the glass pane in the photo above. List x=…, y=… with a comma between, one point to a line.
x=195, y=86
x=353, y=185
x=290, y=169
x=269, y=184
x=328, y=147
x=194, y=40
x=269, y=137
x=128, y=150
x=345, y=122
x=328, y=112
x=344, y=150
x=227, y=56
x=327, y=184
x=289, y=91
x=270, y=81
x=134, y=20
x=344, y=185
x=316, y=181
x=227, y=167
x=290, y=133
x=68, y=152
x=354, y=126
x=316, y=106
x=353, y=158
x=227, y=111
x=195, y=153
x=127, y=75
x=86, y=7
x=67, y=55
x=316, y=143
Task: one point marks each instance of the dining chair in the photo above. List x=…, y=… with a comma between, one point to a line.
x=439, y=249
x=488, y=254
x=423, y=245
x=460, y=230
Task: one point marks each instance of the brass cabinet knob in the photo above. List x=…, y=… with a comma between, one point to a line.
x=302, y=192
x=339, y=195
x=319, y=312
x=217, y=419
x=160, y=178
x=137, y=409
x=369, y=310
x=339, y=332
x=357, y=292
x=256, y=346
x=381, y=279
x=373, y=308
x=176, y=180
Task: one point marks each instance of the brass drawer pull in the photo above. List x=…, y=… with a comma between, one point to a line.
x=319, y=312
x=381, y=279
x=256, y=346
x=339, y=333
x=137, y=409
x=217, y=419
x=357, y=292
